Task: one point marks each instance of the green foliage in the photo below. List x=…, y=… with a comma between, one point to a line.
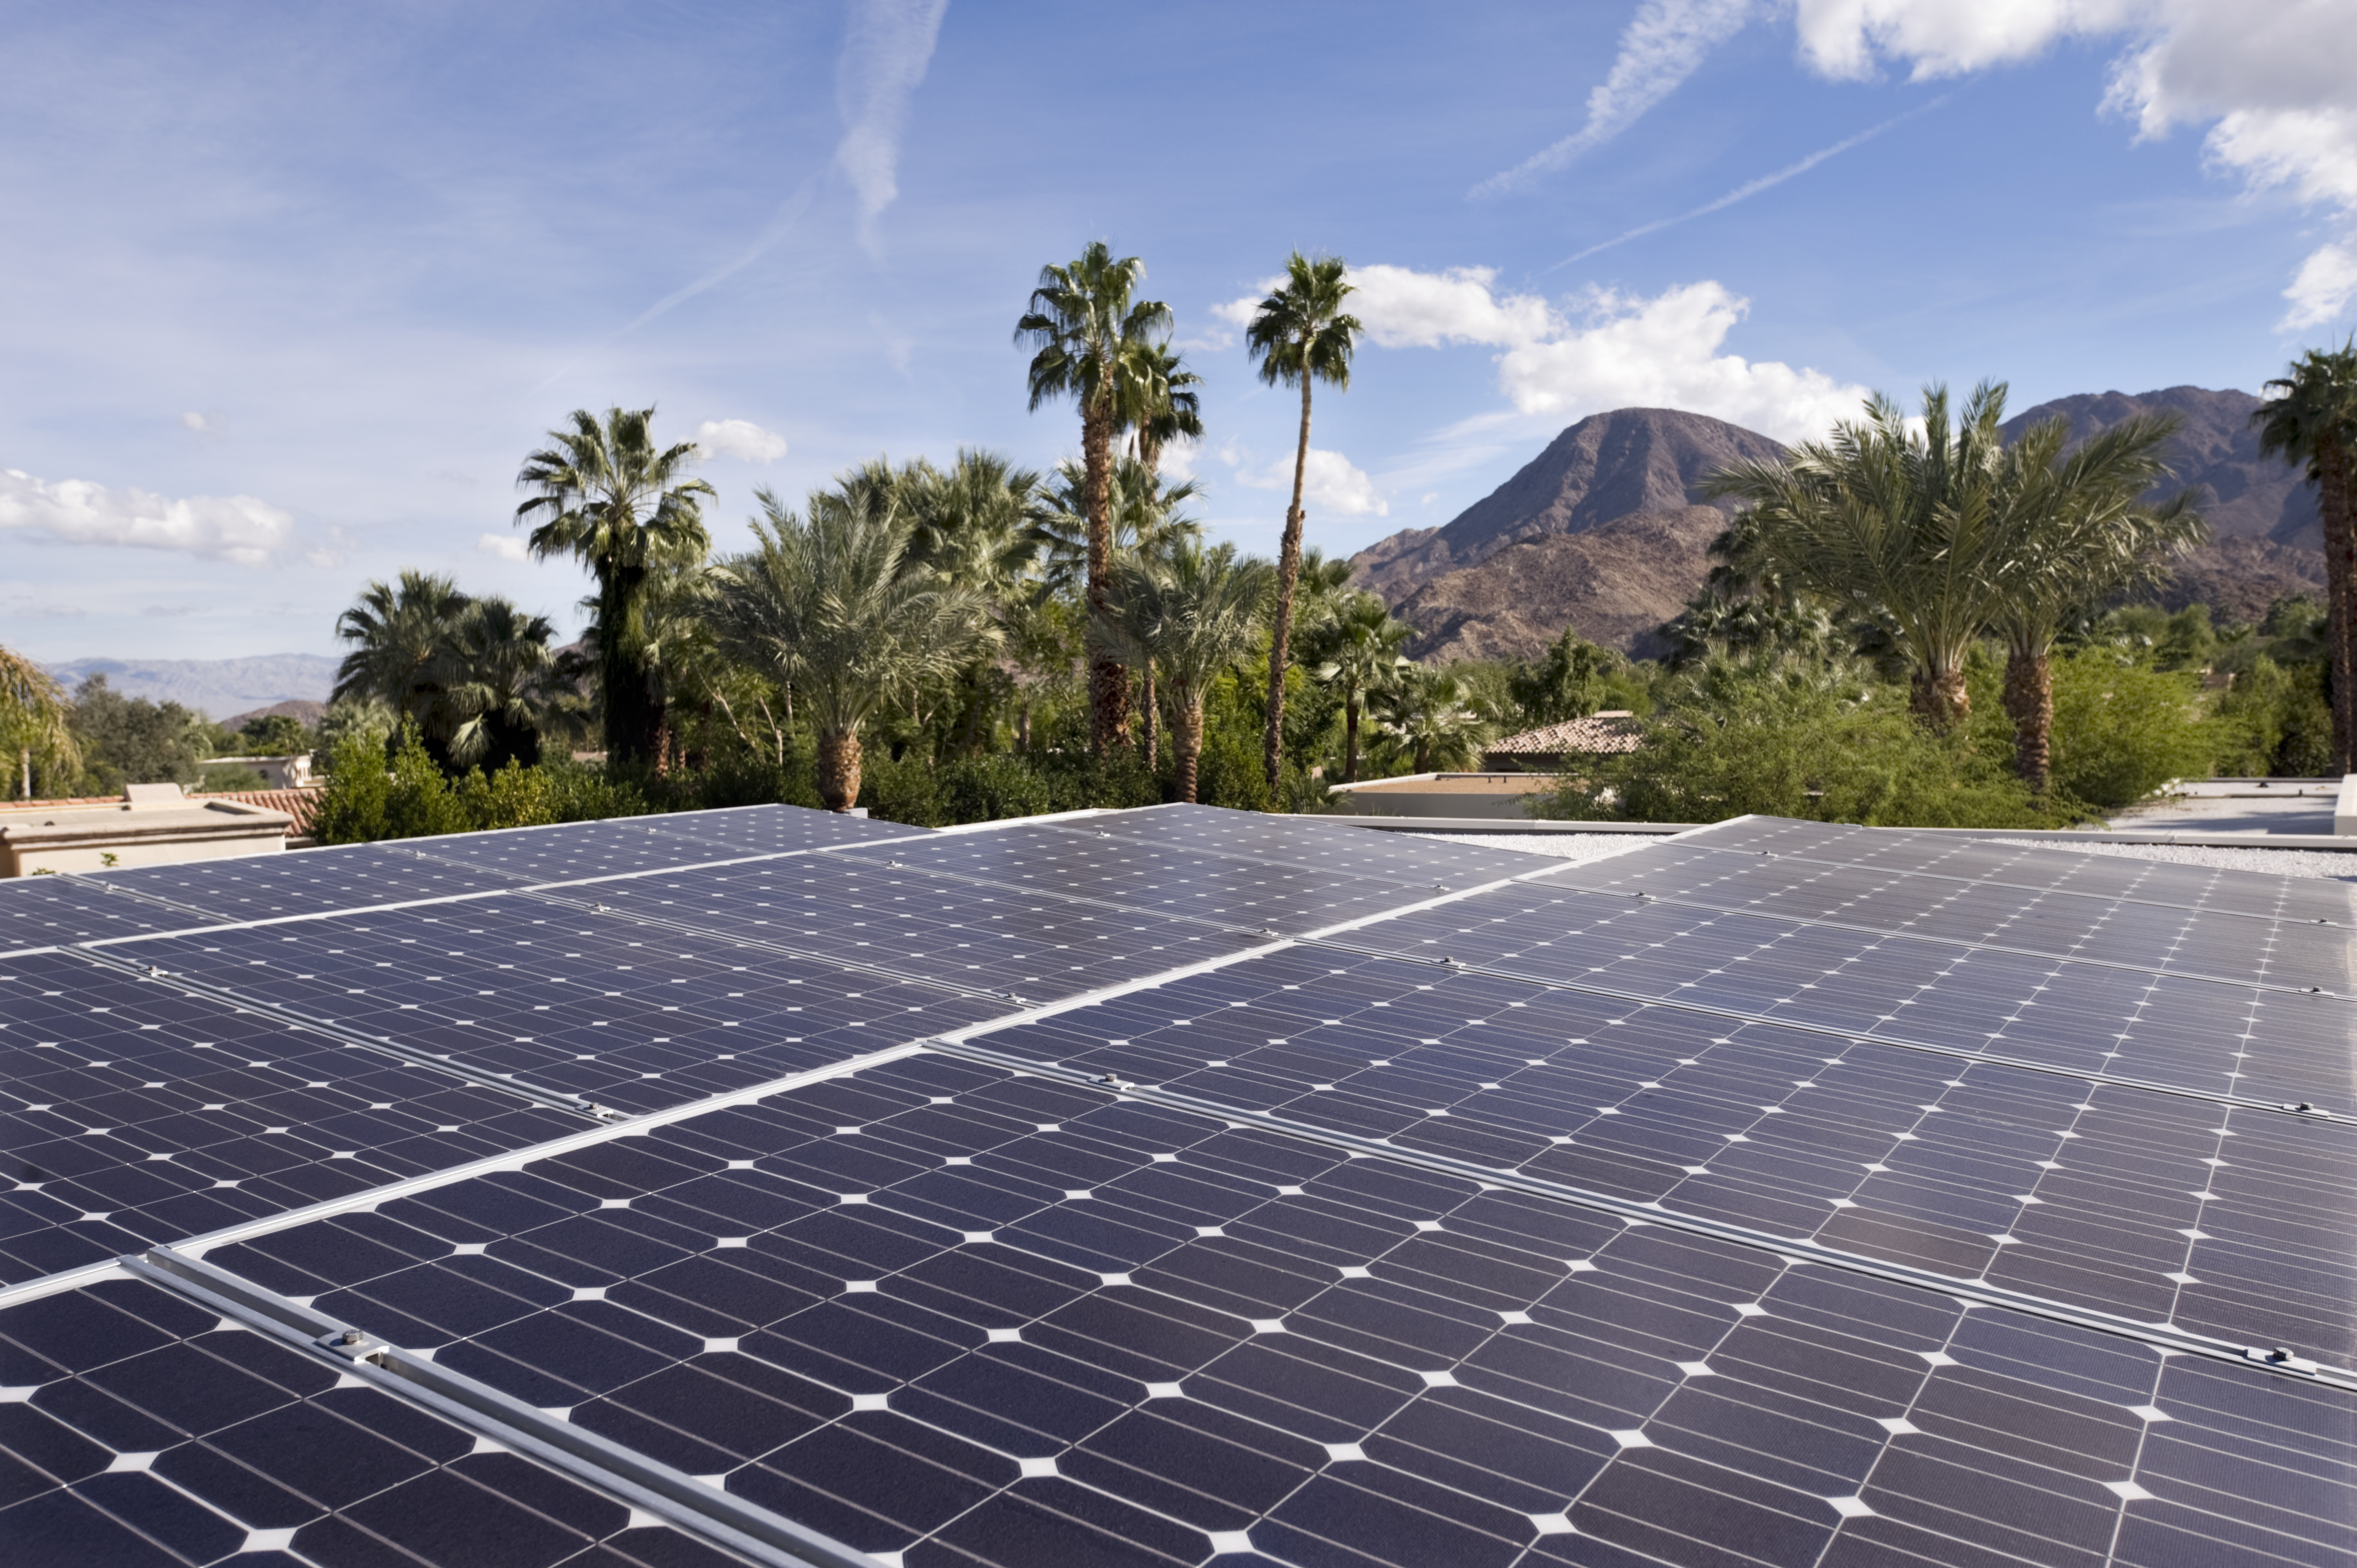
x=131, y=740
x=989, y=787
x=2273, y=721
x=1789, y=738
x=274, y=735
x=1572, y=682
x=366, y=800
x=2123, y=729
x=230, y=780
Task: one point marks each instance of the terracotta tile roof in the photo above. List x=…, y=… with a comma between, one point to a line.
x=1597, y=735
x=296, y=803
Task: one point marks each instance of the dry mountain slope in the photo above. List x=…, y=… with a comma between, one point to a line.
x=1607, y=465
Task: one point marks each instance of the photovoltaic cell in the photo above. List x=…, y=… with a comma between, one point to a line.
x=2200, y=1035
x=2141, y=1205
x=1179, y=883
x=1319, y=846
x=140, y=1432
x=775, y=829
x=937, y=1311
x=131, y=1114
x=305, y=881
x=2281, y=952
x=634, y=1017
x=572, y=852
x=1037, y=946
x=49, y=911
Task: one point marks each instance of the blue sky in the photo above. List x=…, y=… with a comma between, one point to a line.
x=287, y=292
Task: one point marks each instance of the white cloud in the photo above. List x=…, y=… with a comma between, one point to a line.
x=739, y=438
x=1607, y=350
x=239, y=529
x=884, y=60
x=2271, y=81
x=1331, y=485
x=194, y=421
x=506, y=546
x=1238, y=313
x=1658, y=49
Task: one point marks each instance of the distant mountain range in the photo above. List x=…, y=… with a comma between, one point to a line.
x=1601, y=530
x=216, y=688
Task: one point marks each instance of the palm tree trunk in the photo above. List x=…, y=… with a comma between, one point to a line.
x=1188, y=742
x=1288, y=573
x=838, y=769
x=2030, y=702
x=2341, y=586
x=1150, y=716
x=1108, y=677
x=1939, y=699
x=1351, y=740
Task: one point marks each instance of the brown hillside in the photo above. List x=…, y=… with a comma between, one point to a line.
x=1615, y=582
x=1608, y=466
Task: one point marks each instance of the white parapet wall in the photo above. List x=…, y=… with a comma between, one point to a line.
x=2344, y=807
x=1497, y=796
x=153, y=824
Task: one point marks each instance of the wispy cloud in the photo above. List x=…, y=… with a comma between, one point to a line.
x=741, y=439
x=506, y=546
x=884, y=60
x=1658, y=49
x=238, y=529
x=1752, y=188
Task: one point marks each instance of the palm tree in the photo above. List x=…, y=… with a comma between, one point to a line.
x=1427, y=711
x=1908, y=529
x=398, y=633
x=975, y=528
x=626, y=510
x=1170, y=408
x=1188, y=614
x=1365, y=658
x=1143, y=512
x=34, y=719
x=2083, y=539
x=824, y=607
x=2311, y=414
x=1094, y=343
x=495, y=668
x=1300, y=335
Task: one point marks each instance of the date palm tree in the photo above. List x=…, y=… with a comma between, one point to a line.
x=495, y=667
x=824, y=607
x=2081, y=537
x=1095, y=343
x=1363, y=657
x=1902, y=527
x=397, y=633
x=2310, y=417
x=1300, y=335
x=1430, y=711
x=627, y=509
x=1188, y=614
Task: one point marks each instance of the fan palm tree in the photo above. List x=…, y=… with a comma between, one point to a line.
x=824, y=607
x=398, y=632
x=2310, y=415
x=34, y=719
x=2083, y=538
x=1300, y=335
x=1188, y=614
x=624, y=509
x=1170, y=409
x=495, y=667
x=1905, y=528
x=976, y=527
x=1096, y=344
x=1428, y=712
x=1365, y=658
x=1143, y=510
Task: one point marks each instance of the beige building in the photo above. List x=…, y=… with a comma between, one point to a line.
x=153, y=825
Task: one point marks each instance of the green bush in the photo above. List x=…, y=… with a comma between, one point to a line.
x=2122, y=728
x=2274, y=721
x=366, y=800
x=986, y=789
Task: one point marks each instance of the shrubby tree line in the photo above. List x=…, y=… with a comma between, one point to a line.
x=94, y=740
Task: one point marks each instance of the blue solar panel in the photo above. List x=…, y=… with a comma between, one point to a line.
x=305, y=882
x=49, y=911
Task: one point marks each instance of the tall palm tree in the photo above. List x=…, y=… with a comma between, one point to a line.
x=2310, y=415
x=1903, y=527
x=1365, y=659
x=495, y=668
x=2082, y=538
x=1143, y=512
x=624, y=509
x=1098, y=344
x=975, y=528
x=398, y=632
x=824, y=607
x=1188, y=614
x=1300, y=335
x=1430, y=711
x=33, y=719
x=1170, y=409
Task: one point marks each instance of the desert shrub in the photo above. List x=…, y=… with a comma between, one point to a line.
x=988, y=787
x=367, y=799
x=2122, y=728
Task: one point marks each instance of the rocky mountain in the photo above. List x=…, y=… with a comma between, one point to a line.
x=1607, y=465
x=1616, y=581
x=1600, y=530
x=211, y=686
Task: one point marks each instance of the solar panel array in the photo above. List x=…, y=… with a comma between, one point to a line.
x=1176, y=1185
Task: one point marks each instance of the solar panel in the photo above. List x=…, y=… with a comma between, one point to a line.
x=132, y=1114
x=304, y=882
x=141, y=1429
x=1015, y=1196
x=45, y=911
